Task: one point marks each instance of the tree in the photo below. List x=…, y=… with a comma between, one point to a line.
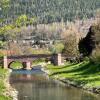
x=70, y=47
x=96, y=52
x=87, y=44
x=21, y=20
x=4, y=4
x=48, y=11
x=90, y=45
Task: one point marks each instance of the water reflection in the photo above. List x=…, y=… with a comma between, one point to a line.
x=37, y=86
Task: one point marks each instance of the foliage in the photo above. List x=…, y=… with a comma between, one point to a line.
x=59, y=47
x=56, y=48
x=6, y=32
x=4, y=98
x=70, y=46
x=48, y=11
x=3, y=73
x=21, y=20
x=38, y=61
x=90, y=45
x=3, y=30
x=95, y=29
x=41, y=51
x=87, y=44
x=4, y=4
x=96, y=55
x=2, y=44
x=32, y=20
x=96, y=52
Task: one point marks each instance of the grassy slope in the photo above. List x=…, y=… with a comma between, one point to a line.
x=2, y=86
x=83, y=73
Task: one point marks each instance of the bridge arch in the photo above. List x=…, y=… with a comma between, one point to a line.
x=15, y=65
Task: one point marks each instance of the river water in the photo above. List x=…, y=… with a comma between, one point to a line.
x=36, y=85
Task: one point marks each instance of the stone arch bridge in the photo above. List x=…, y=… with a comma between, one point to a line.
x=26, y=60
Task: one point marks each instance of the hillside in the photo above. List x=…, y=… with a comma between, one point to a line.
x=48, y=11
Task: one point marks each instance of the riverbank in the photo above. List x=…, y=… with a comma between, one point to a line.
x=6, y=91
x=83, y=75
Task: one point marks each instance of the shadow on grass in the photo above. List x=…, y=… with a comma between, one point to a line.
x=92, y=69
x=86, y=73
x=61, y=67
x=84, y=69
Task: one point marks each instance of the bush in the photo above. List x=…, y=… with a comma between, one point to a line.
x=96, y=52
x=96, y=55
x=71, y=46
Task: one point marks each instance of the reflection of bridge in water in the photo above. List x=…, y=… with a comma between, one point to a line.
x=27, y=78
x=27, y=60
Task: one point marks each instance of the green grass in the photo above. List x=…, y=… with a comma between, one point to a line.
x=41, y=51
x=4, y=98
x=3, y=73
x=37, y=61
x=84, y=73
x=58, y=47
x=16, y=65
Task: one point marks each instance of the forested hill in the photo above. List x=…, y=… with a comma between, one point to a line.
x=47, y=11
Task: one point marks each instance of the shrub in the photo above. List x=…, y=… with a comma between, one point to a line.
x=71, y=46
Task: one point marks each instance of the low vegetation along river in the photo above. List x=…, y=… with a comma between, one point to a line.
x=36, y=85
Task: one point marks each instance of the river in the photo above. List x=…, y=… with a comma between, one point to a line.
x=36, y=85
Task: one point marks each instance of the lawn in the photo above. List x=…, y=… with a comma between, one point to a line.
x=16, y=65
x=84, y=73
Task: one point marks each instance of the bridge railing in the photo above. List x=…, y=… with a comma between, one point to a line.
x=29, y=56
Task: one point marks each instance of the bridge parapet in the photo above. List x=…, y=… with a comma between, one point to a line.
x=26, y=60
x=57, y=59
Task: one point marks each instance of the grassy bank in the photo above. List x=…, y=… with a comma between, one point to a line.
x=3, y=74
x=38, y=62
x=84, y=74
